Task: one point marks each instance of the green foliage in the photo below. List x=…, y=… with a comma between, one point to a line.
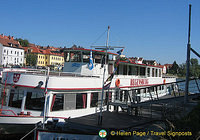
x=31, y=60
x=180, y=70
x=191, y=122
x=23, y=42
x=174, y=69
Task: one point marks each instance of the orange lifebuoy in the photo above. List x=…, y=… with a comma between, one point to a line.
x=164, y=81
x=117, y=82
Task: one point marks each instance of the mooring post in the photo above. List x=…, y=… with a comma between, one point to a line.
x=188, y=59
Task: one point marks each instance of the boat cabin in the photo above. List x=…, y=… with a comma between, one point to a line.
x=77, y=60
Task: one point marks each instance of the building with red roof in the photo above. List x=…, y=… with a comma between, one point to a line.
x=11, y=52
x=46, y=56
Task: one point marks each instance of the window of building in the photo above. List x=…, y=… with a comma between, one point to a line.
x=21, y=53
x=4, y=51
x=11, y=52
x=15, y=52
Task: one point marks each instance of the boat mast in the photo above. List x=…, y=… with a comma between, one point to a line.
x=188, y=59
x=102, y=95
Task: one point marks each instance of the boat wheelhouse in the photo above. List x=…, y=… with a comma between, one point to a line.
x=76, y=91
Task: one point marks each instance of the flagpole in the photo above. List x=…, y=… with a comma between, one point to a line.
x=102, y=95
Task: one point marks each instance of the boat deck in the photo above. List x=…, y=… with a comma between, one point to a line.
x=114, y=120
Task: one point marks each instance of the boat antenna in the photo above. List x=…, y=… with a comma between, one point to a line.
x=188, y=59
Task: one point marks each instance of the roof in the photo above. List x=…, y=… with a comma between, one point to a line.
x=37, y=49
x=129, y=62
x=88, y=50
x=9, y=42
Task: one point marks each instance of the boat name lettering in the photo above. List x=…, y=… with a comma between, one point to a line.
x=139, y=82
x=75, y=65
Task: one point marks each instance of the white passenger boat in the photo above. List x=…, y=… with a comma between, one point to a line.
x=76, y=91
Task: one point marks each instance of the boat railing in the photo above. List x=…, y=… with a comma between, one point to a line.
x=55, y=73
x=7, y=112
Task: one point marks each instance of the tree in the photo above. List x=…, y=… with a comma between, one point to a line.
x=31, y=60
x=174, y=69
x=23, y=42
x=194, y=67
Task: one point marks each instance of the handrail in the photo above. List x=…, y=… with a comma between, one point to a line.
x=8, y=111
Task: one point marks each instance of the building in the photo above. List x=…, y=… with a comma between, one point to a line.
x=46, y=56
x=11, y=52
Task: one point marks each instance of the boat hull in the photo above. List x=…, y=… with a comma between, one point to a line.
x=17, y=125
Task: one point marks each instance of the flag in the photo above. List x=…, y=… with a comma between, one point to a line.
x=120, y=51
x=107, y=83
x=91, y=65
x=107, y=86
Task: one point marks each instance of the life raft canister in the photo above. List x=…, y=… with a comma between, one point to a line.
x=117, y=82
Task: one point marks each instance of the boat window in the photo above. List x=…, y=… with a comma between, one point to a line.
x=142, y=71
x=57, y=102
x=75, y=56
x=69, y=101
x=81, y=100
x=156, y=73
x=15, y=99
x=148, y=72
x=159, y=72
x=135, y=70
x=86, y=57
x=34, y=101
x=153, y=72
x=94, y=99
x=110, y=68
x=124, y=69
x=97, y=58
x=108, y=98
x=110, y=57
x=130, y=70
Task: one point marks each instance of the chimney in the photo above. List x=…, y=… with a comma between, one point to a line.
x=12, y=38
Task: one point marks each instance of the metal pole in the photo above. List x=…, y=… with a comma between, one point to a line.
x=188, y=59
x=45, y=92
x=102, y=95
